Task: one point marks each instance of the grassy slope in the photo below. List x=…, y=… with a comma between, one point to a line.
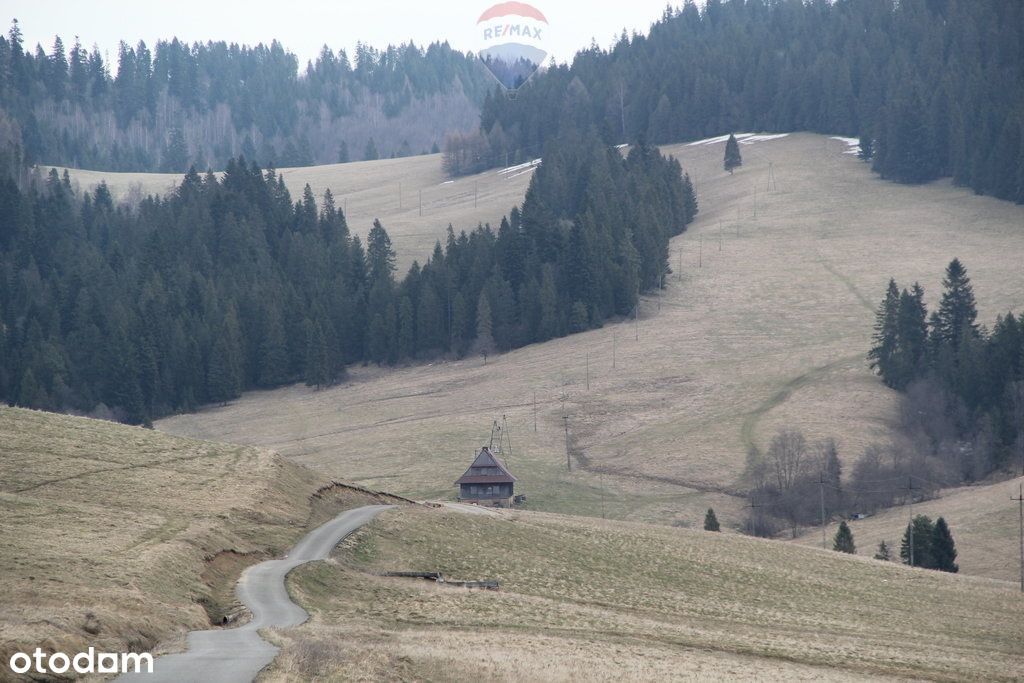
x=584, y=598
x=983, y=519
x=370, y=189
x=770, y=330
x=114, y=521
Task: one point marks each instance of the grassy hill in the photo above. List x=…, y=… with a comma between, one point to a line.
x=983, y=519
x=370, y=189
x=601, y=600
x=766, y=326
x=120, y=537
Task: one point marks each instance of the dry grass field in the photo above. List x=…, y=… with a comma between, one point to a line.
x=766, y=325
x=120, y=537
x=587, y=599
x=983, y=519
x=389, y=189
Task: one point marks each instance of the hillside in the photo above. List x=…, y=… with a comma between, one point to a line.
x=366, y=190
x=118, y=537
x=768, y=327
x=635, y=602
x=983, y=520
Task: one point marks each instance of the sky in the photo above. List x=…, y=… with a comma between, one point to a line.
x=303, y=27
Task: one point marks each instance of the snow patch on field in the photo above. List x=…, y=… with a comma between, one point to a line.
x=529, y=170
x=852, y=142
x=720, y=138
x=519, y=167
x=761, y=138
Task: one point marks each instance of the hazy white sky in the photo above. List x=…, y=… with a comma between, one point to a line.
x=304, y=26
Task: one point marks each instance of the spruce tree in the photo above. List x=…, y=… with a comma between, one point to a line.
x=943, y=549
x=886, y=334
x=957, y=309
x=883, y=553
x=711, y=521
x=689, y=199
x=923, y=531
x=733, y=160
x=843, y=541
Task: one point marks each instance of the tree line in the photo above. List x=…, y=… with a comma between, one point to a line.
x=934, y=87
x=962, y=384
x=227, y=284
x=175, y=105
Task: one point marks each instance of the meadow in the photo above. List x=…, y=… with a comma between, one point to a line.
x=121, y=538
x=589, y=599
x=764, y=323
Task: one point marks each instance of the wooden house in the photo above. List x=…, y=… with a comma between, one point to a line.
x=487, y=482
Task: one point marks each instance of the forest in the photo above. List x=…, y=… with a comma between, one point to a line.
x=962, y=383
x=174, y=105
x=935, y=88
x=227, y=284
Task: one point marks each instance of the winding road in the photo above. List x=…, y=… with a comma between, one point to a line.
x=238, y=654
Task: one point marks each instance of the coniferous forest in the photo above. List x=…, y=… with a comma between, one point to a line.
x=173, y=105
x=934, y=87
x=228, y=284
x=962, y=383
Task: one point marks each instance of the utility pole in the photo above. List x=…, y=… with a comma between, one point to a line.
x=568, y=461
x=821, y=489
x=508, y=436
x=1020, y=502
x=601, y=482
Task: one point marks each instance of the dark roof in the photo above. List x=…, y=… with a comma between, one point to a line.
x=486, y=469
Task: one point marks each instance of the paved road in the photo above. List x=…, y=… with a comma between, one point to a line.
x=237, y=655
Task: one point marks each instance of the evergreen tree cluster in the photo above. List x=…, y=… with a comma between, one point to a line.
x=227, y=284
x=932, y=87
x=174, y=105
x=963, y=384
x=933, y=546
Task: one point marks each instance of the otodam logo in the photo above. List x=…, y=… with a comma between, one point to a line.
x=512, y=42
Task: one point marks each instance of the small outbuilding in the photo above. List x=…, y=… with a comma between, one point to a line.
x=487, y=482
